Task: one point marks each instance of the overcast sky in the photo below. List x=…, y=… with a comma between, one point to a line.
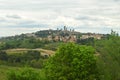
x=24, y=16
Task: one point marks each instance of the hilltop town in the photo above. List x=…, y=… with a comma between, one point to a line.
x=64, y=35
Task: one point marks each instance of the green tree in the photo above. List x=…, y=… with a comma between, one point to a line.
x=109, y=59
x=32, y=54
x=3, y=56
x=72, y=62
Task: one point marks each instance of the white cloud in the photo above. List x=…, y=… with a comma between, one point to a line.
x=83, y=15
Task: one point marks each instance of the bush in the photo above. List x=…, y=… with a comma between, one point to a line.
x=72, y=62
x=3, y=56
x=24, y=74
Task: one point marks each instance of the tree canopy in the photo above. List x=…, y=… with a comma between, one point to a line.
x=72, y=62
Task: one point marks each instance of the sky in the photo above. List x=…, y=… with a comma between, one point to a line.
x=26, y=16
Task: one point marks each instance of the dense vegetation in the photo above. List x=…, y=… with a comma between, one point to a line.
x=28, y=42
x=109, y=57
x=25, y=74
x=70, y=62
x=29, y=58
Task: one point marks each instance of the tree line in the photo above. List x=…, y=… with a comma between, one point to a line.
x=29, y=58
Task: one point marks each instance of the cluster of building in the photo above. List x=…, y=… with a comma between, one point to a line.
x=66, y=35
x=91, y=35
x=70, y=38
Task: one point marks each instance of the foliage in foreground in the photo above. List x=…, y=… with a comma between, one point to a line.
x=25, y=74
x=109, y=58
x=72, y=62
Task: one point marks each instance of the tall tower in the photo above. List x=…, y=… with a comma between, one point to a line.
x=57, y=29
x=65, y=28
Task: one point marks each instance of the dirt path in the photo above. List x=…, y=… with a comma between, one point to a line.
x=17, y=50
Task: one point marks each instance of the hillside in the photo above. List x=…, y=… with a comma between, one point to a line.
x=64, y=35
x=19, y=51
x=46, y=38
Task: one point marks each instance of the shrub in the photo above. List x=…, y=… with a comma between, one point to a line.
x=23, y=74
x=72, y=62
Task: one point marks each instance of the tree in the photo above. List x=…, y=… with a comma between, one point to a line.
x=3, y=56
x=30, y=55
x=114, y=33
x=72, y=62
x=109, y=59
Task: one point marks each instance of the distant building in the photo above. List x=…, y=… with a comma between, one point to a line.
x=96, y=36
x=30, y=35
x=49, y=38
x=66, y=35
